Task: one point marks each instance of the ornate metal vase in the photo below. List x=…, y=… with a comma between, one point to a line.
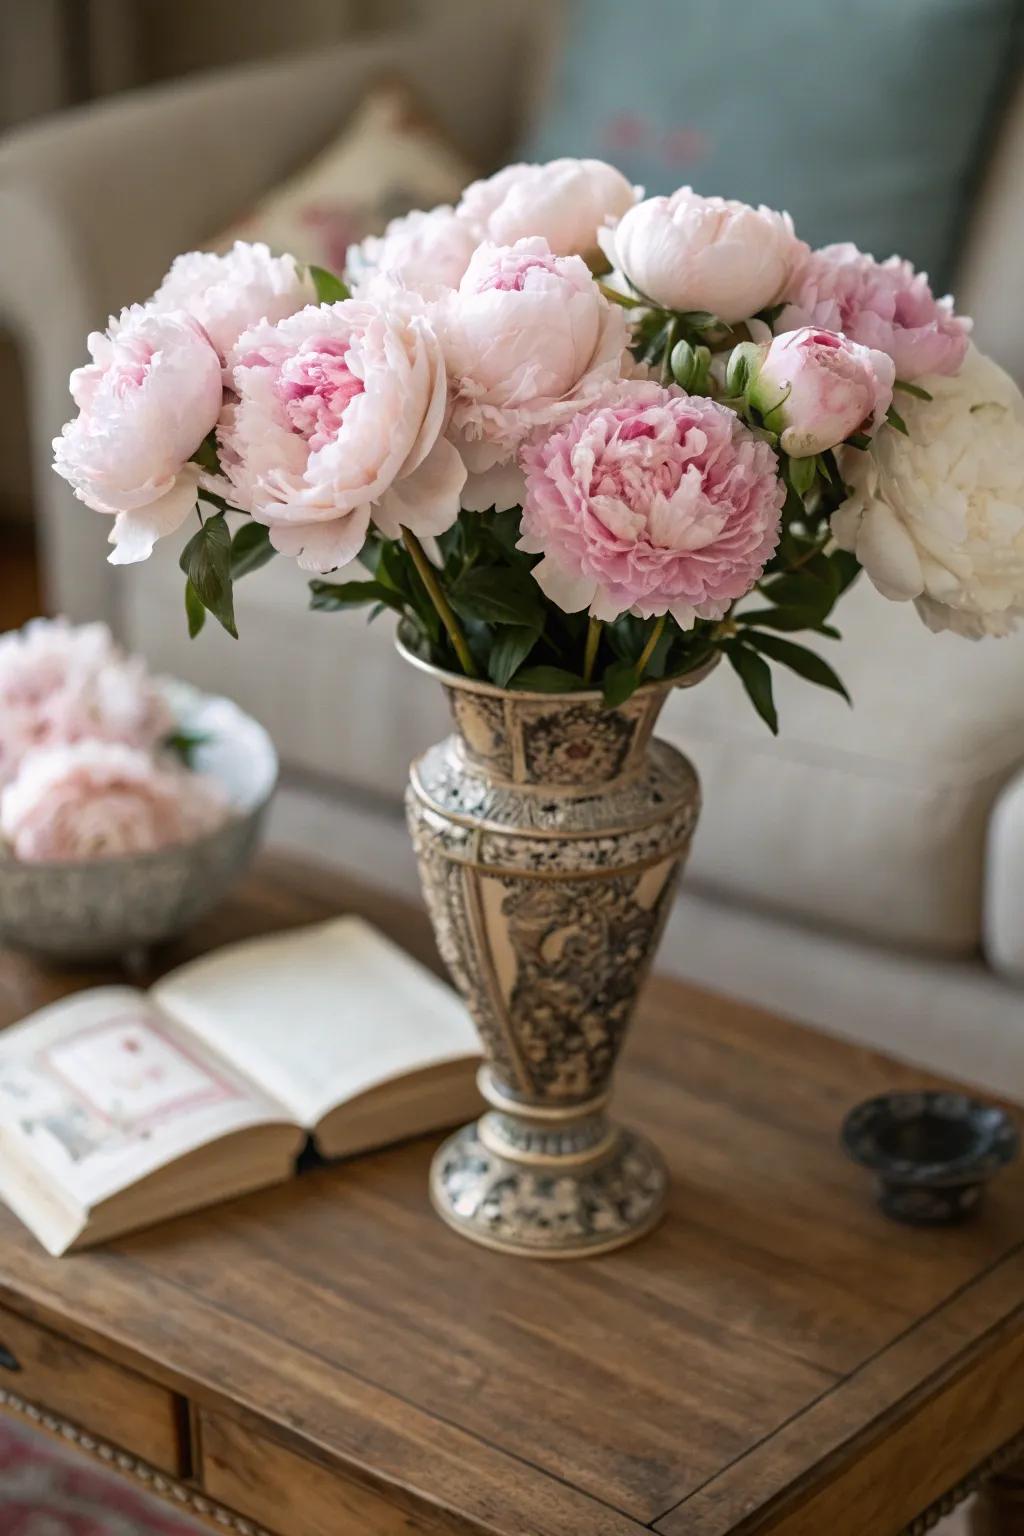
x=549, y=832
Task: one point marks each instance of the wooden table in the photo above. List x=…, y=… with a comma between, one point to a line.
x=327, y=1359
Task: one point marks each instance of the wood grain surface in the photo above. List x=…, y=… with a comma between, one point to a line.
x=772, y=1356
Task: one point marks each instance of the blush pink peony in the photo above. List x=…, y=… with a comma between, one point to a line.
x=655, y=502
x=816, y=388
x=529, y=341
x=146, y=401
x=338, y=421
x=688, y=252
x=881, y=304
x=101, y=800
x=565, y=202
x=229, y=293
x=423, y=252
x=60, y=684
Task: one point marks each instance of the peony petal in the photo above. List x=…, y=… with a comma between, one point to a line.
x=427, y=501
x=502, y=486
x=322, y=546
x=568, y=590
x=135, y=533
x=888, y=554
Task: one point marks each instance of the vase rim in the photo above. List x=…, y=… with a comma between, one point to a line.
x=575, y=695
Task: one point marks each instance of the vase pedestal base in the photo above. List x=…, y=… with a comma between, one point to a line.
x=548, y=1185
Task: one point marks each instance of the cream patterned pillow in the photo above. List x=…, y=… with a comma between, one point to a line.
x=389, y=158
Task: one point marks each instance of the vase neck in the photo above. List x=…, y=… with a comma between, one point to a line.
x=557, y=740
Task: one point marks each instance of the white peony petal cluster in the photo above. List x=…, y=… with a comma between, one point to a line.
x=425, y=253
x=226, y=294
x=938, y=517
x=566, y=202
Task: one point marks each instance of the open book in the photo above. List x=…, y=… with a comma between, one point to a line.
x=119, y=1108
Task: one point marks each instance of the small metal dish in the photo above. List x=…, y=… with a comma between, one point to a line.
x=932, y=1152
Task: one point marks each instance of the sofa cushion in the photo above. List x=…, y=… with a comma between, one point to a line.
x=389, y=158
x=865, y=120
x=871, y=819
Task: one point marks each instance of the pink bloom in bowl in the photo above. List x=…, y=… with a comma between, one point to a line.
x=881, y=304
x=338, y=420
x=97, y=800
x=655, y=502
x=817, y=388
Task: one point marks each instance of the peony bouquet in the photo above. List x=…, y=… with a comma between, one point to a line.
x=572, y=437
x=92, y=764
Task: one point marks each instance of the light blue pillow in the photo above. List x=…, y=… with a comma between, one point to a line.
x=866, y=119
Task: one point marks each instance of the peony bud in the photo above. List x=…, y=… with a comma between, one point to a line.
x=690, y=366
x=816, y=388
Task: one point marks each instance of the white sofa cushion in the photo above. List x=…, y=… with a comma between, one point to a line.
x=872, y=820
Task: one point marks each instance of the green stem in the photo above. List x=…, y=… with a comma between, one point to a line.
x=652, y=640
x=428, y=576
x=590, y=651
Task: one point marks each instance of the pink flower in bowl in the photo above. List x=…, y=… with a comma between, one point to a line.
x=656, y=502
x=97, y=800
x=881, y=304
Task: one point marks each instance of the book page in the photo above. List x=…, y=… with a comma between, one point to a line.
x=320, y=1014
x=102, y=1089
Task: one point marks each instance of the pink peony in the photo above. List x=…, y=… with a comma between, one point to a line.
x=228, y=294
x=338, y=420
x=817, y=387
x=529, y=341
x=565, y=202
x=59, y=685
x=146, y=401
x=656, y=502
x=688, y=252
x=100, y=800
x=881, y=304
x=424, y=252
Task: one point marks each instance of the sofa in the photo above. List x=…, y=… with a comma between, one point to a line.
x=864, y=871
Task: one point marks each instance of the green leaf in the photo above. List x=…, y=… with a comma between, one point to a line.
x=329, y=289
x=755, y=675
x=913, y=389
x=250, y=548
x=498, y=595
x=206, y=455
x=782, y=618
x=800, y=590
x=802, y=474
x=194, y=610
x=547, y=680
x=512, y=644
x=894, y=419
x=858, y=440
x=206, y=561
x=338, y=596
x=185, y=744
x=800, y=660
x=619, y=682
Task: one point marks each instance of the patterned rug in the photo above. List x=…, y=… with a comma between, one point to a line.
x=46, y=1490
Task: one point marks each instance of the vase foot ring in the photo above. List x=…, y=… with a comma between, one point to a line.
x=553, y=1210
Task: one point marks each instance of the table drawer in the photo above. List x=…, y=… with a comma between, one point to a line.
x=286, y=1492
x=112, y=1403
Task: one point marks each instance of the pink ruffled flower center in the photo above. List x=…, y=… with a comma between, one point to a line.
x=134, y=360
x=510, y=271
x=658, y=502
x=316, y=386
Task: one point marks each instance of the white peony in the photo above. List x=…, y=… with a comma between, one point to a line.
x=939, y=517
x=229, y=293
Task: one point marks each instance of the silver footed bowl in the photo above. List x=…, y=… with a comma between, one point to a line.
x=105, y=908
